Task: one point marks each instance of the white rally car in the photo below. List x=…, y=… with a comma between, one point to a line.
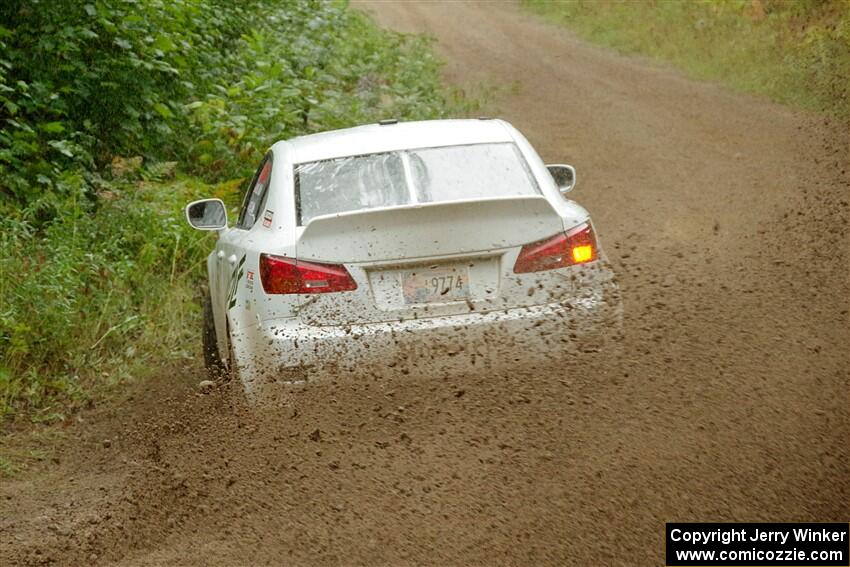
x=402, y=244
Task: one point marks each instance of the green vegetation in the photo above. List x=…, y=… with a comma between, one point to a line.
x=796, y=52
x=114, y=115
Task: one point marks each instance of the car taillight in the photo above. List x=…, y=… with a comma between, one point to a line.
x=288, y=275
x=575, y=246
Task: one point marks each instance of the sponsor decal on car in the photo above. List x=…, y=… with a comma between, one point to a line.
x=267, y=218
x=235, y=276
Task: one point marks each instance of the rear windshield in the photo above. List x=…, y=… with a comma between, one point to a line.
x=408, y=177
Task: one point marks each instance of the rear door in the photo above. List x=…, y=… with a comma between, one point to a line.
x=231, y=250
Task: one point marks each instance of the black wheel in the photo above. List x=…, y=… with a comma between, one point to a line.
x=212, y=359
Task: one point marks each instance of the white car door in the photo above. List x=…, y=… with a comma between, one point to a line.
x=231, y=251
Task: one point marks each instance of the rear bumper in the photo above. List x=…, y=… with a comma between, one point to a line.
x=286, y=350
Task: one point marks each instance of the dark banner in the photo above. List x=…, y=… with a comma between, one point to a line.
x=759, y=545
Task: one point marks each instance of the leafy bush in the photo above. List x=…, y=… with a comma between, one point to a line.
x=305, y=70
x=97, y=269
x=83, y=81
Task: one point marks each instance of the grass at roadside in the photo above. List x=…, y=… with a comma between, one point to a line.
x=95, y=296
x=793, y=52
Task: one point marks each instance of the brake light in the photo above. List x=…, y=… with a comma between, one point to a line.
x=576, y=246
x=287, y=275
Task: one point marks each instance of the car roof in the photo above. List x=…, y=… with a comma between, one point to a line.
x=377, y=138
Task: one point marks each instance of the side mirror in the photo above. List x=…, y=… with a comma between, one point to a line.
x=207, y=214
x=564, y=176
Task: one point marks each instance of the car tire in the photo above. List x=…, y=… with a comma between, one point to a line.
x=212, y=359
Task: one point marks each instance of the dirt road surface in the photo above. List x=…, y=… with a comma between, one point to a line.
x=726, y=218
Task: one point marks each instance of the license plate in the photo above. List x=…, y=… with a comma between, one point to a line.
x=435, y=285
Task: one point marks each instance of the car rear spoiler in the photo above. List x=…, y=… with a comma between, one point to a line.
x=432, y=229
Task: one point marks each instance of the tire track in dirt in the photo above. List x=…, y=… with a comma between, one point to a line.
x=726, y=217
